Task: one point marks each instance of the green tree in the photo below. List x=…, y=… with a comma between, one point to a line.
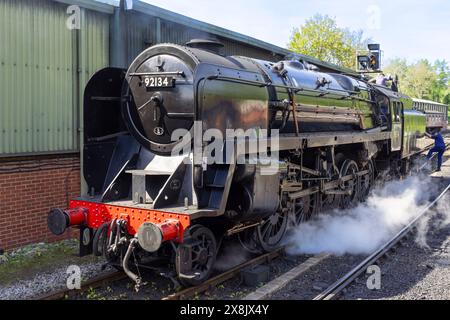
x=399, y=67
x=440, y=90
x=422, y=79
x=320, y=37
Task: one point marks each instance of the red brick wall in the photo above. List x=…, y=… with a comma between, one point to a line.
x=29, y=188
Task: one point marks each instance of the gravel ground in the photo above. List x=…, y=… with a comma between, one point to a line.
x=236, y=288
x=411, y=266
x=412, y=272
x=32, y=279
x=419, y=269
x=45, y=282
x=318, y=278
x=158, y=286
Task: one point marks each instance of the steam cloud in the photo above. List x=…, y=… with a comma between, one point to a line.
x=363, y=229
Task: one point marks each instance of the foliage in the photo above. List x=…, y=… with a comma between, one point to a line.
x=320, y=37
x=441, y=91
x=422, y=79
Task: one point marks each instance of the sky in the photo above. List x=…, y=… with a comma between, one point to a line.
x=411, y=29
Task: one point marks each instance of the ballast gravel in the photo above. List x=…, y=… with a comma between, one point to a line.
x=413, y=272
x=46, y=282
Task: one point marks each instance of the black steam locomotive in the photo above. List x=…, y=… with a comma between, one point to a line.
x=156, y=200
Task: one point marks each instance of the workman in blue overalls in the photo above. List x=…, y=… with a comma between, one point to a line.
x=439, y=147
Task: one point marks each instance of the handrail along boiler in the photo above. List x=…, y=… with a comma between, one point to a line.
x=148, y=208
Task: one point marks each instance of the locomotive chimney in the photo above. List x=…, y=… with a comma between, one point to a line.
x=206, y=44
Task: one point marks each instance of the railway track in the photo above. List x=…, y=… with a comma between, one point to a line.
x=337, y=287
x=277, y=284
x=227, y=275
x=330, y=293
x=183, y=294
x=95, y=282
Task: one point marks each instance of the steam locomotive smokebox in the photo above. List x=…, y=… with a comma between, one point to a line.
x=256, y=275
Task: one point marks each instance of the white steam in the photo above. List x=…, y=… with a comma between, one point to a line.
x=363, y=229
x=443, y=209
x=442, y=219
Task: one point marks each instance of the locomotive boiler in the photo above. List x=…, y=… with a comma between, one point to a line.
x=157, y=199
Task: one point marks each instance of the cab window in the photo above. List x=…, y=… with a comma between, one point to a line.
x=397, y=110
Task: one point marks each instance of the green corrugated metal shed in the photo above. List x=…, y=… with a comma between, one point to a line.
x=43, y=68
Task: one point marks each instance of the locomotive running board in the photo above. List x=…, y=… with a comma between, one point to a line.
x=312, y=140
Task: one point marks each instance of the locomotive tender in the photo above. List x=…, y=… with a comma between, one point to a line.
x=148, y=207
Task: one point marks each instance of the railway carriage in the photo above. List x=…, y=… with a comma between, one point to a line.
x=436, y=113
x=154, y=204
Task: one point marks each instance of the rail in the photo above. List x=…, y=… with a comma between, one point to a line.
x=332, y=291
x=227, y=275
x=91, y=283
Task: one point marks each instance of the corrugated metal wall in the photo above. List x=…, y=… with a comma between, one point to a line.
x=44, y=67
x=39, y=84
x=36, y=98
x=94, y=42
x=233, y=48
x=142, y=32
x=176, y=33
x=93, y=52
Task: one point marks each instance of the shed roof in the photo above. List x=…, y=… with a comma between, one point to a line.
x=151, y=10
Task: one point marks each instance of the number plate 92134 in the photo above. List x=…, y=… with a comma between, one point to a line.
x=158, y=82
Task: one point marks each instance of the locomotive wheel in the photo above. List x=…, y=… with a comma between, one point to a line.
x=100, y=239
x=305, y=207
x=249, y=240
x=330, y=201
x=271, y=231
x=367, y=181
x=204, y=251
x=349, y=167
